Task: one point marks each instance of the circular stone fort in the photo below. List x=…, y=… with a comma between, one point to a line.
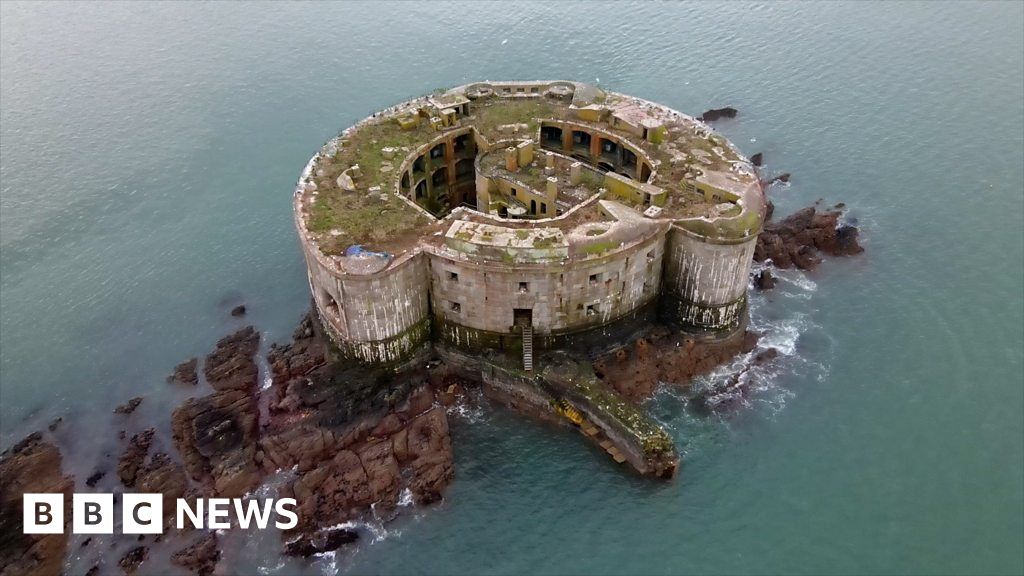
x=525, y=216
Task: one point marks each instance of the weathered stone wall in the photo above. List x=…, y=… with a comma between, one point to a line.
x=705, y=282
x=560, y=297
x=378, y=317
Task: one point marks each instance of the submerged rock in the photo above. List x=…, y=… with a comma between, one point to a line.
x=323, y=541
x=129, y=406
x=94, y=479
x=131, y=561
x=730, y=393
x=238, y=310
x=718, y=113
x=32, y=465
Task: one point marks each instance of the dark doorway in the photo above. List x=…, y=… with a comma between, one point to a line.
x=522, y=317
x=551, y=136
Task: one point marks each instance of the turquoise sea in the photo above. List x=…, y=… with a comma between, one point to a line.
x=149, y=152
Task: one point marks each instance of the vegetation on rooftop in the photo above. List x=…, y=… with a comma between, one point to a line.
x=499, y=112
x=346, y=218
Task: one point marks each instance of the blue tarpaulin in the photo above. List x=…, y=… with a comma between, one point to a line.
x=358, y=250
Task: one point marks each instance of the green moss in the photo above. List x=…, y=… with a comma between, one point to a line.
x=545, y=242
x=359, y=219
x=514, y=111
x=599, y=247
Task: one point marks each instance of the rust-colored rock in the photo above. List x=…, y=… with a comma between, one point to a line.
x=185, y=373
x=231, y=365
x=32, y=465
x=216, y=436
x=666, y=356
x=134, y=455
x=797, y=240
x=158, y=474
x=200, y=557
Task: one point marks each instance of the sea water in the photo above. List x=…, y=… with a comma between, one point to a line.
x=149, y=153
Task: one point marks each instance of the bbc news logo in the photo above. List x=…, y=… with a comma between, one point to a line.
x=144, y=513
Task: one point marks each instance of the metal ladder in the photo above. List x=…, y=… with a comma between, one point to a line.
x=528, y=348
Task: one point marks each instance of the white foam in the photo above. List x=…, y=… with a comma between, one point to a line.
x=405, y=498
x=469, y=407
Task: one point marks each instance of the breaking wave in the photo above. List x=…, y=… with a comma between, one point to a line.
x=469, y=406
x=784, y=319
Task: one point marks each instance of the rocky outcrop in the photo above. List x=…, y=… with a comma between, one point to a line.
x=757, y=159
x=719, y=113
x=32, y=465
x=231, y=365
x=347, y=457
x=156, y=474
x=784, y=178
x=216, y=435
x=797, y=240
x=134, y=455
x=185, y=373
x=355, y=437
x=665, y=356
x=200, y=557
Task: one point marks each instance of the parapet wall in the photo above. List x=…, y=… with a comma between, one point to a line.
x=378, y=318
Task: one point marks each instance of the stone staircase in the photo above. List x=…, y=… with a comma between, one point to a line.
x=528, y=348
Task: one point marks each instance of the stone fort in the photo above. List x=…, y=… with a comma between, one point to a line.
x=524, y=216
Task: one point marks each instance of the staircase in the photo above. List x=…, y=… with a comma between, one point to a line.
x=528, y=348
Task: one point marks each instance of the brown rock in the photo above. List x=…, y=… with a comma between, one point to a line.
x=797, y=239
x=429, y=449
x=231, y=365
x=131, y=561
x=200, y=557
x=185, y=373
x=32, y=465
x=156, y=475
x=666, y=357
x=216, y=436
x=134, y=456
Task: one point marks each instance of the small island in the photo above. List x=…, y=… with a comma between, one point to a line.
x=515, y=230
